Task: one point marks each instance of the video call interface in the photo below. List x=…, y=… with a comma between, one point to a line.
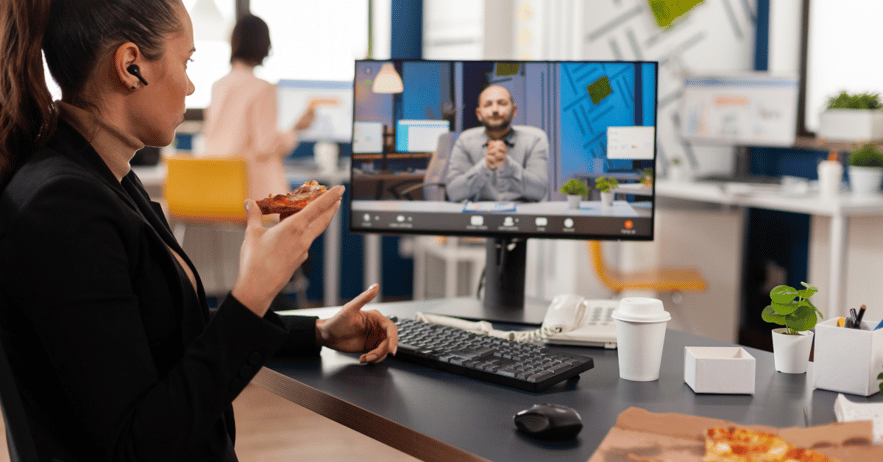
x=423, y=161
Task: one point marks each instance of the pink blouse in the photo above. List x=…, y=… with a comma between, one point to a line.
x=241, y=121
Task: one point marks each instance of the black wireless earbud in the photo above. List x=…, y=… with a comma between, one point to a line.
x=133, y=69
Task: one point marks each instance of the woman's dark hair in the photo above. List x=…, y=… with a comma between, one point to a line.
x=74, y=35
x=250, y=42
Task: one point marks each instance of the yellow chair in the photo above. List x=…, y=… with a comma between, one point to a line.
x=674, y=281
x=206, y=191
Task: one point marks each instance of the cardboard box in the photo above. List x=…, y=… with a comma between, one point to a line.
x=848, y=360
x=643, y=435
x=719, y=370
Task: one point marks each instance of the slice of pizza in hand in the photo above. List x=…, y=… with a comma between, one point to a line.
x=287, y=205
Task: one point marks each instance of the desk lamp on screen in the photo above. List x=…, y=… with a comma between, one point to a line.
x=571, y=119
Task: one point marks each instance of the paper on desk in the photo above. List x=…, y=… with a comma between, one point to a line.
x=489, y=207
x=847, y=411
x=641, y=435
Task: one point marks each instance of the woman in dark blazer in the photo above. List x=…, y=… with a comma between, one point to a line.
x=102, y=315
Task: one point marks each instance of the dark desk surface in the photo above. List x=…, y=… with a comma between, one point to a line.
x=435, y=415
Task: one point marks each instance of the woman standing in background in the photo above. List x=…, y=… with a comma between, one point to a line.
x=241, y=118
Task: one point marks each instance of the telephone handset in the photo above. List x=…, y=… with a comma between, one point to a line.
x=574, y=320
x=570, y=320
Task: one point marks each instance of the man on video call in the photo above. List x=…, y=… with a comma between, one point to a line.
x=498, y=161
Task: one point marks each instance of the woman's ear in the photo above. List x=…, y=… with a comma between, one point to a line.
x=126, y=55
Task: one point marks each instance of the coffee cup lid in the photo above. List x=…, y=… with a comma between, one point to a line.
x=640, y=309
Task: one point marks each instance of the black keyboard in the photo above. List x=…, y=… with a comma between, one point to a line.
x=527, y=366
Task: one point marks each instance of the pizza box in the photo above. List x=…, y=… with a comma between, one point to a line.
x=643, y=435
x=847, y=360
x=719, y=370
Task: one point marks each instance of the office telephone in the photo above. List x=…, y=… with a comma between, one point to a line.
x=574, y=320
x=570, y=320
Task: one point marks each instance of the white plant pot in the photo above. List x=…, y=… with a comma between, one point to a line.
x=865, y=181
x=677, y=173
x=791, y=352
x=851, y=125
x=573, y=201
x=607, y=202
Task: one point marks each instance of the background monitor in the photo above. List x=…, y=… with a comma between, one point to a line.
x=599, y=118
x=333, y=101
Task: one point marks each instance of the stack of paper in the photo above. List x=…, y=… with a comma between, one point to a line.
x=847, y=411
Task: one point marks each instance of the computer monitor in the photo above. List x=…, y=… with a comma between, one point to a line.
x=333, y=103
x=572, y=119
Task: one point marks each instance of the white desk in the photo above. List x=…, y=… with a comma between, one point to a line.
x=838, y=209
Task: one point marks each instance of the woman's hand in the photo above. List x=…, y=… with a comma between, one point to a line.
x=269, y=256
x=352, y=330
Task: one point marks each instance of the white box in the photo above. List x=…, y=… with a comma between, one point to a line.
x=848, y=360
x=851, y=125
x=719, y=370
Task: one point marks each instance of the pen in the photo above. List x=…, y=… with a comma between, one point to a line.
x=852, y=319
x=858, y=319
x=879, y=325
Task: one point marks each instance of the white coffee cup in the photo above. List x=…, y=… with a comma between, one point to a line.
x=640, y=336
x=830, y=178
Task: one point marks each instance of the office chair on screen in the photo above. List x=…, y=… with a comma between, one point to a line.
x=674, y=281
x=18, y=434
x=433, y=184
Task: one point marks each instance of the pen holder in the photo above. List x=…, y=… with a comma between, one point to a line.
x=848, y=360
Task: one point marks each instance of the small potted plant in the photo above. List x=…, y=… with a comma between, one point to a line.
x=647, y=177
x=865, y=170
x=852, y=118
x=793, y=309
x=575, y=190
x=676, y=170
x=606, y=185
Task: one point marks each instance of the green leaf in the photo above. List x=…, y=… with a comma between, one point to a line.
x=804, y=318
x=770, y=315
x=783, y=294
x=880, y=376
x=785, y=309
x=805, y=294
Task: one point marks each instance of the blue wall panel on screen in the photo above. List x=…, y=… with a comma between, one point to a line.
x=595, y=96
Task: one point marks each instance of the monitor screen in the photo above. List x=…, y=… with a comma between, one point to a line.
x=570, y=120
x=483, y=148
x=333, y=104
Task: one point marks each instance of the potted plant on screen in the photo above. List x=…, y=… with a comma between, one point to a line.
x=852, y=118
x=793, y=309
x=575, y=190
x=865, y=170
x=606, y=185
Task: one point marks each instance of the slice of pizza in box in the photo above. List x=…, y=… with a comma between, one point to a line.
x=641, y=435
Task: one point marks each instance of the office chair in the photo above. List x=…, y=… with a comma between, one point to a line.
x=206, y=191
x=211, y=191
x=433, y=183
x=666, y=280
x=19, y=439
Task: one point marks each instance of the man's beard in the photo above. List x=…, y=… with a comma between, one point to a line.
x=502, y=124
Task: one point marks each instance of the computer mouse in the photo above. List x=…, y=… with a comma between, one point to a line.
x=549, y=421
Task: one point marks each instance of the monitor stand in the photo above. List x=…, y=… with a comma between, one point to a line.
x=504, y=273
x=504, y=300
